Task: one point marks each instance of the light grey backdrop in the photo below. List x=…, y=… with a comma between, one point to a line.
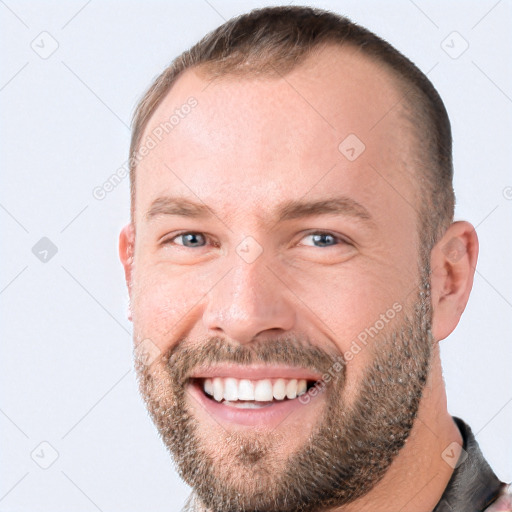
x=71, y=74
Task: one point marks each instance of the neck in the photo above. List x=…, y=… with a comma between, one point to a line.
x=419, y=475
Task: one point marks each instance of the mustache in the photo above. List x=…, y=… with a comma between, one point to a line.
x=185, y=356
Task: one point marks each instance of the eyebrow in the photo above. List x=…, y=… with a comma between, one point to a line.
x=288, y=210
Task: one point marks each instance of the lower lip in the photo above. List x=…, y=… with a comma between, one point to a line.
x=270, y=416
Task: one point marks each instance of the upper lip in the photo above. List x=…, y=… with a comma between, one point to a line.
x=254, y=372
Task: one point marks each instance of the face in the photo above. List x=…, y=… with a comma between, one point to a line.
x=276, y=287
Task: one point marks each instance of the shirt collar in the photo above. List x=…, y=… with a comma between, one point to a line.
x=473, y=485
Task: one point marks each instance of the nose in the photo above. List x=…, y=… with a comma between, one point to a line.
x=249, y=301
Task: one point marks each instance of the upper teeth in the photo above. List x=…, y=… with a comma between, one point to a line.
x=260, y=390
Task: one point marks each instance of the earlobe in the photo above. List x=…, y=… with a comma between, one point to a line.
x=126, y=251
x=453, y=261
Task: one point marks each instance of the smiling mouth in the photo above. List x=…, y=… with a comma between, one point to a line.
x=252, y=394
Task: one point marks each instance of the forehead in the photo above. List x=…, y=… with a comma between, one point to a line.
x=334, y=123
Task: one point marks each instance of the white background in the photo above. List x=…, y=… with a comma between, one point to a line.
x=66, y=370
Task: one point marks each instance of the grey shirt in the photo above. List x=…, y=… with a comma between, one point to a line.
x=473, y=486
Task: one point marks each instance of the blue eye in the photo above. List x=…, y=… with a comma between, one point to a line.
x=190, y=237
x=324, y=238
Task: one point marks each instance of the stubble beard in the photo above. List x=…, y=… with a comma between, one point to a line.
x=346, y=454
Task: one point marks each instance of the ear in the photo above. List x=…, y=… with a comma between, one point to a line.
x=453, y=261
x=126, y=251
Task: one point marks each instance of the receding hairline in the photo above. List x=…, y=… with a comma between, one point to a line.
x=211, y=72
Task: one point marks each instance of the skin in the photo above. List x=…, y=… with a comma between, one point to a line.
x=249, y=145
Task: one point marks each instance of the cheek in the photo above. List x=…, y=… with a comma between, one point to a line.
x=356, y=309
x=347, y=302
x=163, y=303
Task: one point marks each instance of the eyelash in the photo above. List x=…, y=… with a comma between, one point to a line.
x=339, y=240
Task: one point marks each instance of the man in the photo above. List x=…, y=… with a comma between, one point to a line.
x=292, y=264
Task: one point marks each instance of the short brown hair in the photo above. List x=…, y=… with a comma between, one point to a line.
x=274, y=40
